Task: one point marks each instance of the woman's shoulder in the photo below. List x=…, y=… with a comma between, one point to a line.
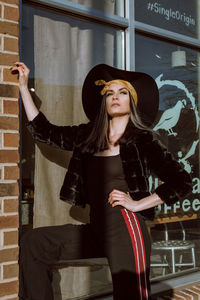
x=139, y=135
x=84, y=129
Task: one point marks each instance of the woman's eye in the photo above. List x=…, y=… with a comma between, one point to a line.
x=124, y=92
x=108, y=94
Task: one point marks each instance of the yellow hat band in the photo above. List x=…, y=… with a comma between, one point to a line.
x=125, y=83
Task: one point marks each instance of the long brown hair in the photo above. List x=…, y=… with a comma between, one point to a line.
x=98, y=139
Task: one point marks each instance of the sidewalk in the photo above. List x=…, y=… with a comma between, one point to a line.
x=187, y=292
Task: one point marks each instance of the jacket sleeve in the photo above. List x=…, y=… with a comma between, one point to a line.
x=42, y=130
x=176, y=181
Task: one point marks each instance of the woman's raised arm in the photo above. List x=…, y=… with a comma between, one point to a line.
x=30, y=108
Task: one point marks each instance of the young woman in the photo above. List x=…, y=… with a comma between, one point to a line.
x=125, y=152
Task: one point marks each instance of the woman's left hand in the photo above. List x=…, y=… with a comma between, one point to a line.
x=117, y=197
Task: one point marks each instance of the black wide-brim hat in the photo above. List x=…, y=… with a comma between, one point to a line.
x=144, y=84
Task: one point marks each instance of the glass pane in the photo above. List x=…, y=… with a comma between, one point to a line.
x=60, y=50
x=177, y=73
x=174, y=15
x=109, y=6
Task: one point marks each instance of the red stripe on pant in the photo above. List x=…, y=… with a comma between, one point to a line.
x=136, y=236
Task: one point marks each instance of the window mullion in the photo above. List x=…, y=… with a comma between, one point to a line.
x=130, y=36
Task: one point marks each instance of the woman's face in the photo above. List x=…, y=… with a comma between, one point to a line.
x=117, y=100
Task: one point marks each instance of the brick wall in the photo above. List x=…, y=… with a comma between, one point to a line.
x=9, y=155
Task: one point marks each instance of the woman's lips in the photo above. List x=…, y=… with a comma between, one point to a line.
x=115, y=104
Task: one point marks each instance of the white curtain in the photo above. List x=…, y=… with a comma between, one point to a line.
x=64, y=51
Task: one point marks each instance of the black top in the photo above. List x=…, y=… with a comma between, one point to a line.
x=103, y=174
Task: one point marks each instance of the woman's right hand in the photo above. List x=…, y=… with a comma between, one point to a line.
x=23, y=72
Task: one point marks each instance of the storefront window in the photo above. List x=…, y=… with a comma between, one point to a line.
x=177, y=73
x=177, y=16
x=60, y=50
x=109, y=6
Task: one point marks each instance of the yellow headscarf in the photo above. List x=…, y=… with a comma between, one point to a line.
x=126, y=84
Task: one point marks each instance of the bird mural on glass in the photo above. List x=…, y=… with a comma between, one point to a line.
x=184, y=160
x=170, y=118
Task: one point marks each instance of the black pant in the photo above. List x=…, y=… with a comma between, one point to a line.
x=126, y=244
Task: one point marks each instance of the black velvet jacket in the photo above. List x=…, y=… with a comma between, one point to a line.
x=142, y=155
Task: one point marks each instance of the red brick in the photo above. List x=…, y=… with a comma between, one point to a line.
x=9, y=189
x=10, y=107
x=11, y=1
x=11, y=140
x=10, y=271
x=11, y=172
x=9, y=222
x=8, y=90
x=8, y=59
x=9, y=288
x=10, y=238
x=9, y=156
x=9, y=28
x=11, y=254
x=9, y=123
x=9, y=77
x=11, y=205
x=11, y=44
x=11, y=13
